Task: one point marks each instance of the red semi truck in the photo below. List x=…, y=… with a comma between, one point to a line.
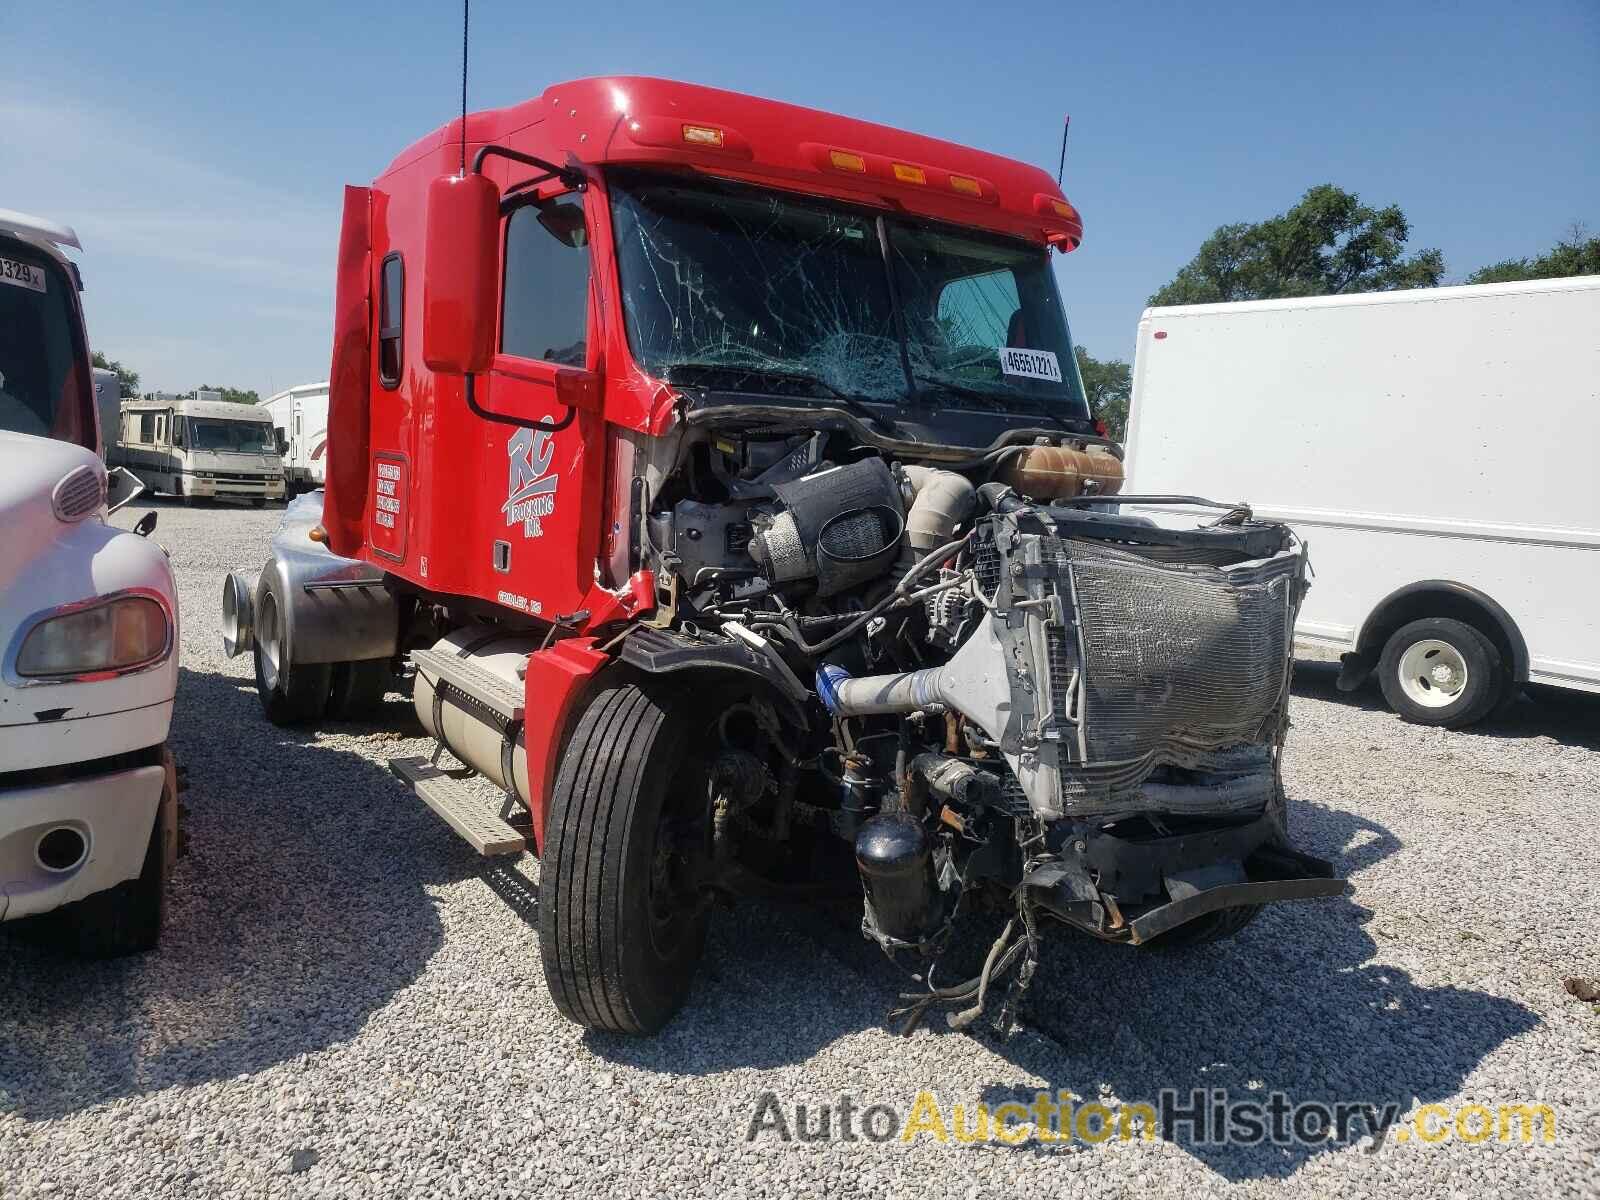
x=718, y=474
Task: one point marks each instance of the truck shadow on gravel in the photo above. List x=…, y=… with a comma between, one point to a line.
x=298, y=912
x=1294, y=1004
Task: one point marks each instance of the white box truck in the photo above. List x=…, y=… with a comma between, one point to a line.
x=300, y=417
x=1437, y=451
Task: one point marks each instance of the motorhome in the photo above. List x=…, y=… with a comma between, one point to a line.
x=300, y=419
x=201, y=447
x=88, y=634
x=1455, y=557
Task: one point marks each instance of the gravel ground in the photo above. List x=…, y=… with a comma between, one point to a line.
x=349, y=1002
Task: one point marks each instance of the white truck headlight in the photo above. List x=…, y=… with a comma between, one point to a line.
x=117, y=634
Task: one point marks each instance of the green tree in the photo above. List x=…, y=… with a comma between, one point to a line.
x=1327, y=243
x=127, y=379
x=1109, y=388
x=233, y=395
x=1574, y=254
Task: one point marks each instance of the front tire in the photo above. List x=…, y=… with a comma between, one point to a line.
x=125, y=919
x=1441, y=672
x=619, y=932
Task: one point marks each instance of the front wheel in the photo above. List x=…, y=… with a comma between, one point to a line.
x=620, y=927
x=1441, y=672
x=125, y=919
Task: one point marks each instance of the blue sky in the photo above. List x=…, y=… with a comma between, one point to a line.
x=200, y=151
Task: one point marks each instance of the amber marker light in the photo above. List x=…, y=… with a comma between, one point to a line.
x=702, y=135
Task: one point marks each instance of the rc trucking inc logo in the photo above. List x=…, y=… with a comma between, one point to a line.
x=531, y=492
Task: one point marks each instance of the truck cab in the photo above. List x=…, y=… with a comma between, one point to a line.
x=88, y=634
x=723, y=471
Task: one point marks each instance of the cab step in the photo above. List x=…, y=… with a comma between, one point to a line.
x=468, y=679
x=484, y=829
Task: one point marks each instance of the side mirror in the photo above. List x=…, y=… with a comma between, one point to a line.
x=122, y=486
x=461, y=255
x=579, y=389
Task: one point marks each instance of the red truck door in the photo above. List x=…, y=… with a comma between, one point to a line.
x=542, y=542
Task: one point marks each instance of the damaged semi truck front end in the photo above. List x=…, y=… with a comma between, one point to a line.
x=723, y=471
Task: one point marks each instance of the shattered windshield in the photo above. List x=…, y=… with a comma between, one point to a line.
x=234, y=437
x=746, y=289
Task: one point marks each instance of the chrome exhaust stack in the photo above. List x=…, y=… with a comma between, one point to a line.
x=238, y=614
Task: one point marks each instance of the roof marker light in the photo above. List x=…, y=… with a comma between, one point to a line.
x=845, y=161
x=970, y=187
x=906, y=173
x=1064, y=210
x=702, y=135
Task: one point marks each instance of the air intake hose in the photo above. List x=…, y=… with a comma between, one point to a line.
x=940, y=502
x=974, y=683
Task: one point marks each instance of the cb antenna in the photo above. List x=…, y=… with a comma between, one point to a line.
x=1060, y=171
x=466, y=12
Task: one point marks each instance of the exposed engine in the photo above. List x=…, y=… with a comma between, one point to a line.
x=1024, y=692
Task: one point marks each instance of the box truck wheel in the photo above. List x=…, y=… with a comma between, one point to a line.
x=1441, y=672
x=291, y=693
x=125, y=919
x=620, y=928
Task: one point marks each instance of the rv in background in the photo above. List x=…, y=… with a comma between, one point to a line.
x=1434, y=448
x=201, y=447
x=300, y=416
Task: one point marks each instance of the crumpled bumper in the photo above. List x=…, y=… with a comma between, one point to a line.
x=1272, y=873
x=1135, y=888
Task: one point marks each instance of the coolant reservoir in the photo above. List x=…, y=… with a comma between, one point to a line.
x=1103, y=469
x=1061, y=472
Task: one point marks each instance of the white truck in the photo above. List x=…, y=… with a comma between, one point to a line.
x=300, y=417
x=88, y=634
x=1436, y=450
x=201, y=447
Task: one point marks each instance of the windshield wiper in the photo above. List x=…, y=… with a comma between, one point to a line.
x=996, y=400
x=677, y=373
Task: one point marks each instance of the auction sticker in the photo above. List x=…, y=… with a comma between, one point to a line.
x=21, y=274
x=1030, y=364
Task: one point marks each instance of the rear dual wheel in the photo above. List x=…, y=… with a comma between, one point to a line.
x=299, y=693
